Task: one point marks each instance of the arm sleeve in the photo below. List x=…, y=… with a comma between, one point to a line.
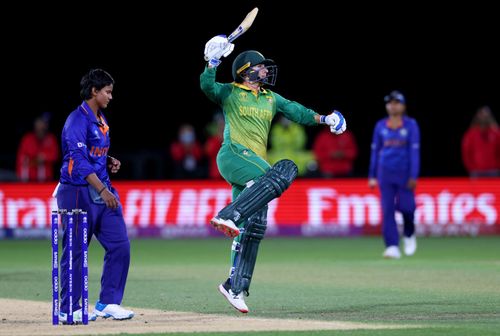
x=295, y=111
x=76, y=142
x=375, y=148
x=216, y=92
x=415, y=151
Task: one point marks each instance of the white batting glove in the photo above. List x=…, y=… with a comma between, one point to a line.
x=217, y=47
x=336, y=121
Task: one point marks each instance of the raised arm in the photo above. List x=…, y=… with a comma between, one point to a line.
x=216, y=92
x=215, y=49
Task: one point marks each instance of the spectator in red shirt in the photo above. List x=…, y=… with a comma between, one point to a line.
x=37, y=153
x=481, y=145
x=213, y=144
x=335, y=153
x=187, y=154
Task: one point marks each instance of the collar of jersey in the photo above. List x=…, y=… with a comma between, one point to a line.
x=401, y=124
x=88, y=111
x=244, y=87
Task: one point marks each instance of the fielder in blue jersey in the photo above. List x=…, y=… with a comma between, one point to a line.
x=85, y=184
x=394, y=166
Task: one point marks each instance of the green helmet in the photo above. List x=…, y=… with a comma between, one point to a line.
x=246, y=60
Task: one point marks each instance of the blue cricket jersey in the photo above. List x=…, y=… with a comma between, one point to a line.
x=397, y=150
x=85, y=145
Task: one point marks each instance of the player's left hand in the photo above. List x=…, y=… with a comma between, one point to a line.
x=114, y=164
x=336, y=122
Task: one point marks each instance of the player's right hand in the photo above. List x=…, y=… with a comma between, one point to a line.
x=217, y=47
x=110, y=199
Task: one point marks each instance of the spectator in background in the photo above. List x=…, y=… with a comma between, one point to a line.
x=481, y=145
x=214, y=142
x=335, y=154
x=394, y=166
x=37, y=153
x=187, y=154
x=288, y=141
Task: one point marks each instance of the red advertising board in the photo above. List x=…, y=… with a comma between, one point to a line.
x=445, y=206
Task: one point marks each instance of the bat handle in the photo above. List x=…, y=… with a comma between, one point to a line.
x=233, y=36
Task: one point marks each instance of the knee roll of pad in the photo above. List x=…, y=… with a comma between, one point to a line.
x=270, y=186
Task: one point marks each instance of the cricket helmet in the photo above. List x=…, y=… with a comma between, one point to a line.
x=243, y=63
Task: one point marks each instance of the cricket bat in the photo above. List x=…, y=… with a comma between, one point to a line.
x=244, y=26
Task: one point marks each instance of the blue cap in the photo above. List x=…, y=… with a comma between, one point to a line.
x=395, y=95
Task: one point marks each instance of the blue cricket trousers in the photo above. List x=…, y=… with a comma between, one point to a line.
x=109, y=228
x=396, y=196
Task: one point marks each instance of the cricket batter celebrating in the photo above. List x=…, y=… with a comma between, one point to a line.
x=249, y=109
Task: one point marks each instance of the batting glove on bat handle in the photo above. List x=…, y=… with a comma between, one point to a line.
x=217, y=47
x=336, y=121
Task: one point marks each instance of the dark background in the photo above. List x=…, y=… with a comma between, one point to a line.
x=329, y=56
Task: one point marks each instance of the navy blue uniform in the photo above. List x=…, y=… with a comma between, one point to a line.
x=85, y=144
x=395, y=158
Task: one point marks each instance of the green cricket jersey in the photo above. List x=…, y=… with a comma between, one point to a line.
x=248, y=115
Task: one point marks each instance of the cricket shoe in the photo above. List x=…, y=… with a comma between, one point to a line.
x=392, y=252
x=236, y=300
x=116, y=312
x=410, y=245
x=77, y=317
x=226, y=226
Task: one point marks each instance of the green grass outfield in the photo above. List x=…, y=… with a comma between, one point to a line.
x=451, y=286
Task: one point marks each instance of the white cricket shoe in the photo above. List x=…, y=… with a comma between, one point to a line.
x=116, y=312
x=236, y=301
x=226, y=226
x=77, y=317
x=410, y=245
x=392, y=252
